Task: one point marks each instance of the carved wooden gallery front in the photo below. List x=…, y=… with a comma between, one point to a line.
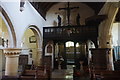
x=62, y=34
x=78, y=35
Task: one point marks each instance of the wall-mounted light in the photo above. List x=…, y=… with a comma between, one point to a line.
x=22, y=2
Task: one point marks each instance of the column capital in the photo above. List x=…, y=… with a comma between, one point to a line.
x=12, y=51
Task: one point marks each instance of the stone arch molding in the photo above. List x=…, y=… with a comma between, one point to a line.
x=46, y=48
x=10, y=27
x=110, y=9
x=105, y=38
x=38, y=34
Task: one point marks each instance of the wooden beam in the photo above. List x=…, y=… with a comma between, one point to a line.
x=117, y=19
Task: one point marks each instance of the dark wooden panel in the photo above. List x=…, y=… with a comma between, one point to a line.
x=23, y=59
x=80, y=33
x=100, y=58
x=48, y=61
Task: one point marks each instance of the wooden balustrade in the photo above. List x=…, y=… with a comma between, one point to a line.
x=70, y=32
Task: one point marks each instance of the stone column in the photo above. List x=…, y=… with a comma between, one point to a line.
x=39, y=57
x=106, y=42
x=12, y=56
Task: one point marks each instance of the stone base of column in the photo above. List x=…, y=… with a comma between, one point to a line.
x=12, y=56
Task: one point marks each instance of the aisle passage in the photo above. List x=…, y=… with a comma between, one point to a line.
x=64, y=74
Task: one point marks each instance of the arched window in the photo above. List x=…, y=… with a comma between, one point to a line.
x=49, y=49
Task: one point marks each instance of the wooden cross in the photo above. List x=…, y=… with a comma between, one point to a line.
x=68, y=9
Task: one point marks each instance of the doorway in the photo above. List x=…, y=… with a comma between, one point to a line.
x=75, y=52
x=31, y=45
x=72, y=53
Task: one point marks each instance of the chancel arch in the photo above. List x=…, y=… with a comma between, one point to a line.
x=32, y=45
x=69, y=32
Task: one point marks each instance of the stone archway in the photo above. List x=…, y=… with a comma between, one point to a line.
x=39, y=41
x=11, y=34
x=10, y=27
x=105, y=28
x=110, y=9
x=32, y=43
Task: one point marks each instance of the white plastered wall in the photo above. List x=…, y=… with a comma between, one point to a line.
x=115, y=34
x=21, y=20
x=53, y=12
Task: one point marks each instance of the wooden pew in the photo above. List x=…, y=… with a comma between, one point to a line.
x=28, y=74
x=40, y=72
x=46, y=69
x=106, y=75
x=112, y=77
x=41, y=75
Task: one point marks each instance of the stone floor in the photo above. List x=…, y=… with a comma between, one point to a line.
x=62, y=74
x=66, y=74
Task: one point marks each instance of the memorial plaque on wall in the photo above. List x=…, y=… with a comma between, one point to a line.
x=23, y=59
x=100, y=58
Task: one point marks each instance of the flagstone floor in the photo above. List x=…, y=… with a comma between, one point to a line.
x=66, y=74
x=62, y=74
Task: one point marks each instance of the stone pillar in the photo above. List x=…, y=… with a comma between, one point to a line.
x=39, y=57
x=12, y=56
x=106, y=42
x=105, y=27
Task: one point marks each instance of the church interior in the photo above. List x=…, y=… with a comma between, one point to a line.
x=59, y=40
